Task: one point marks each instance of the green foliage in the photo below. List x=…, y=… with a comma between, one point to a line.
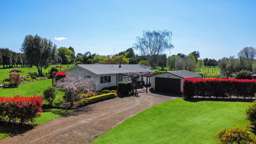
x=144, y=62
x=52, y=71
x=236, y=136
x=231, y=66
x=182, y=62
x=244, y=74
x=178, y=122
x=70, y=96
x=67, y=55
x=251, y=116
x=49, y=95
x=38, y=51
x=101, y=97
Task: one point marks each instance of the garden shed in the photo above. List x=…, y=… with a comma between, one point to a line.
x=171, y=82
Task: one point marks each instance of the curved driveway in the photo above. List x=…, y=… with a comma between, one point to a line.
x=88, y=123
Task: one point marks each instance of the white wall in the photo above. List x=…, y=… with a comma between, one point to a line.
x=100, y=86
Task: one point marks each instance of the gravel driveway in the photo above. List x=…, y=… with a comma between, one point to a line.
x=89, y=122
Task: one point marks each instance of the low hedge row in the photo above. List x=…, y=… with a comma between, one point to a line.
x=20, y=109
x=219, y=87
x=97, y=98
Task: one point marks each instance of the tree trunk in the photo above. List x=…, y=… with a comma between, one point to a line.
x=40, y=71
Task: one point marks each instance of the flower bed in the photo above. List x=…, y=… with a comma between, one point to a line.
x=219, y=87
x=20, y=109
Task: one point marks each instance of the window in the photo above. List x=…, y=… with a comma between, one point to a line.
x=105, y=79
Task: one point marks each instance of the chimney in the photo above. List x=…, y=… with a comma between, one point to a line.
x=120, y=65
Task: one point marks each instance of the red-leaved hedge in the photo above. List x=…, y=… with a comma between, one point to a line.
x=20, y=109
x=219, y=87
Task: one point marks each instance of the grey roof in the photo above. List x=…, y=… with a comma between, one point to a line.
x=185, y=74
x=114, y=68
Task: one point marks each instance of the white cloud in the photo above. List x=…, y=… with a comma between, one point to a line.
x=60, y=38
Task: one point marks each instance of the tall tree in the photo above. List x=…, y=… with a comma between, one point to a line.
x=37, y=51
x=153, y=43
x=248, y=53
x=67, y=55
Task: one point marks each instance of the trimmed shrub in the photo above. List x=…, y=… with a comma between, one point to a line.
x=59, y=75
x=124, y=89
x=102, y=97
x=251, y=116
x=219, y=87
x=87, y=94
x=236, y=136
x=97, y=98
x=20, y=109
x=49, y=95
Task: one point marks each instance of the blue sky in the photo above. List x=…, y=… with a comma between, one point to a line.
x=216, y=28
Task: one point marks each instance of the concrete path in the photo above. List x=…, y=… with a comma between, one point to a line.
x=88, y=123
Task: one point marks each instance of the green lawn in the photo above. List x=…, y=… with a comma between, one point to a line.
x=33, y=88
x=209, y=71
x=178, y=122
x=44, y=117
x=4, y=73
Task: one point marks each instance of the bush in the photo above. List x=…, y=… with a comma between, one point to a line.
x=104, y=91
x=59, y=75
x=87, y=94
x=20, y=109
x=70, y=96
x=33, y=75
x=97, y=98
x=49, y=95
x=236, y=136
x=15, y=79
x=244, y=74
x=219, y=87
x=251, y=116
x=124, y=89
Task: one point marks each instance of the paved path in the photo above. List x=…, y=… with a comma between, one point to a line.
x=90, y=122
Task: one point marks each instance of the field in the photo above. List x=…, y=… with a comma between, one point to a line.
x=209, y=72
x=180, y=122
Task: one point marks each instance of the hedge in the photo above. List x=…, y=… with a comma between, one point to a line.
x=20, y=109
x=219, y=87
x=97, y=98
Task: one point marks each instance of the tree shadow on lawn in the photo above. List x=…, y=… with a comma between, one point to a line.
x=13, y=129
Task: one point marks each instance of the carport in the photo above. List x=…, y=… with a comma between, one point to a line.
x=171, y=82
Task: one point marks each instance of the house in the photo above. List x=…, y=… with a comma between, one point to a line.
x=108, y=75
x=172, y=81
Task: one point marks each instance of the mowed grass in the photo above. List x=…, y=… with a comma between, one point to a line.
x=34, y=88
x=44, y=117
x=4, y=73
x=178, y=122
x=209, y=72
